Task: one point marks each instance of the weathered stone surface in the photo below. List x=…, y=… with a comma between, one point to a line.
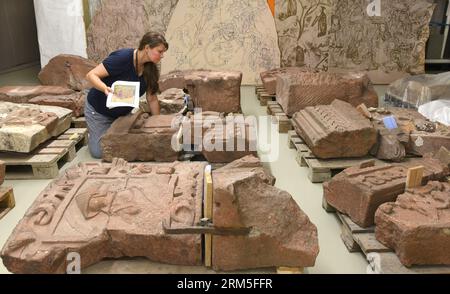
x=417, y=225
x=170, y=101
x=336, y=130
x=280, y=232
x=358, y=192
x=74, y=102
x=423, y=136
x=390, y=144
x=67, y=71
x=388, y=47
x=23, y=94
x=121, y=24
x=420, y=89
x=222, y=35
x=141, y=137
x=422, y=143
x=210, y=90
x=220, y=139
x=24, y=126
x=269, y=78
x=174, y=79
x=102, y=210
x=2, y=172
x=297, y=90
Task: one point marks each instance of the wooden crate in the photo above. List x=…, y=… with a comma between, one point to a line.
x=45, y=161
x=321, y=170
x=279, y=117
x=263, y=96
x=79, y=122
x=259, y=88
x=7, y=201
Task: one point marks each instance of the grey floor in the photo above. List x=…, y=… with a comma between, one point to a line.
x=333, y=257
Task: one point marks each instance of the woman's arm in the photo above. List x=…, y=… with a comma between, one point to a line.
x=95, y=76
x=153, y=103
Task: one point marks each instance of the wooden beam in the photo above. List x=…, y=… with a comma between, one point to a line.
x=414, y=177
x=208, y=212
x=364, y=111
x=7, y=201
x=290, y=270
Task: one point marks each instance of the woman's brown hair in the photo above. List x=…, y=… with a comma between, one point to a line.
x=151, y=72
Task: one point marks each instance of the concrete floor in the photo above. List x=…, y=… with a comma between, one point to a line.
x=333, y=257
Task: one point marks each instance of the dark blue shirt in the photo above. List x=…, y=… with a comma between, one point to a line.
x=120, y=67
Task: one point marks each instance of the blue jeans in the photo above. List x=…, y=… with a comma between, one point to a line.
x=97, y=125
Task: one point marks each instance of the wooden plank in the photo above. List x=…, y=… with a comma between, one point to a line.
x=7, y=201
x=343, y=163
x=208, y=213
x=368, y=243
x=414, y=177
x=61, y=144
x=52, y=150
x=290, y=270
x=25, y=159
x=258, y=88
x=348, y=240
x=45, y=172
x=79, y=122
x=354, y=228
x=319, y=177
x=364, y=111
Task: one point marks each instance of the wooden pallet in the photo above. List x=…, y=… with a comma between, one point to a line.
x=290, y=270
x=45, y=161
x=259, y=88
x=7, y=201
x=358, y=239
x=263, y=96
x=79, y=122
x=321, y=170
x=279, y=117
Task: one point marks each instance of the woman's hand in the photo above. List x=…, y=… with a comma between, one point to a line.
x=107, y=91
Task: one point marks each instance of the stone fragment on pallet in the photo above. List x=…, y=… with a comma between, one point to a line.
x=280, y=233
x=269, y=78
x=102, y=210
x=296, y=91
x=24, y=126
x=209, y=90
x=23, y=94
x=390, y=144
x=417, y=225
x=419, y=135
x=221, y=139
x=67, y=71
x=74, y=102
x=359, y=191
x=141, y=137
x=170, y=101
x=335, y=131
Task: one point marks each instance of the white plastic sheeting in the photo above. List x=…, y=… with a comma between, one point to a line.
x=438, y=110
x=60, y=27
